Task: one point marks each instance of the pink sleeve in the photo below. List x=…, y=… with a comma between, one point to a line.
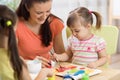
x=101, y=44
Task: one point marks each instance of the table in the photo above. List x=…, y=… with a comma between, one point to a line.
x=107, y=74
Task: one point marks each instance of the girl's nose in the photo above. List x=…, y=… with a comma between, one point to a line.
x=74, y=33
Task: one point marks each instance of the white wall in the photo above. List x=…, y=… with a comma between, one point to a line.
x=61, y=8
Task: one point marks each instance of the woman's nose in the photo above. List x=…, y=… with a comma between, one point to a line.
x=44, y=16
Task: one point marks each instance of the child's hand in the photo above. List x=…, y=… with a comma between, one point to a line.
x=54, y=57
x=92, y=65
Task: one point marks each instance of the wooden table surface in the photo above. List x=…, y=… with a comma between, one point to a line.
x=107, y=74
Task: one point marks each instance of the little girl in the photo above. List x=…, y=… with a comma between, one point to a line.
x=12, y=67
x=83, y=46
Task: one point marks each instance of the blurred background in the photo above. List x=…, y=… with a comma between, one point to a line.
x=109, y=9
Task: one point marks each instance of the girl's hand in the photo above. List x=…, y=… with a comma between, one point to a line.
x=45, y=62
x=24, y=61
x=92, y=65
x=55, y=57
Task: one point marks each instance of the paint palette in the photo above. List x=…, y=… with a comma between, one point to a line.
x=76, y=72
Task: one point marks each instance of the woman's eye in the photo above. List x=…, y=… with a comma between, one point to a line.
x=39, y=12
x=48, y=11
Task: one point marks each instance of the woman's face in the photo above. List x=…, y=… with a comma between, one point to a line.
x=39, y=12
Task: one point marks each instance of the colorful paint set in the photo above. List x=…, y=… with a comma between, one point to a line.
x=75, y=72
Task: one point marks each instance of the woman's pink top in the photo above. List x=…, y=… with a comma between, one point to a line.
x=30, y=44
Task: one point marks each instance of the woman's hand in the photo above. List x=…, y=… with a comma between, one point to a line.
x=45, y=62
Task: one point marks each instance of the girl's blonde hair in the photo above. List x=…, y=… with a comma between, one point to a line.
x=85, y=16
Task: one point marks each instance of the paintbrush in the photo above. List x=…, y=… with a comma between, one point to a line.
x=55, y=59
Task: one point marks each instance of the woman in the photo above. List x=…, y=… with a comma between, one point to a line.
x=38, y=31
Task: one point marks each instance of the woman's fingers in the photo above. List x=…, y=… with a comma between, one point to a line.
x=45, y=62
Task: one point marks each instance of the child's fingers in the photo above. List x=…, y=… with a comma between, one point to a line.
x=92, y=65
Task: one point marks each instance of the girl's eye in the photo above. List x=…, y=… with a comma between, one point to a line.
x=77, y=31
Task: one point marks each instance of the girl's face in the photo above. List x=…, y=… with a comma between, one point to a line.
x=81, y=32
x=39, y=12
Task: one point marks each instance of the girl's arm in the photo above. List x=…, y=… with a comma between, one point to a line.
x=44, y=72
x=66, y=56
x=25, y=73
x=102, y=59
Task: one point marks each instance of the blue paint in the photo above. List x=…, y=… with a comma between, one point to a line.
x=67, y=76
x=79, y=72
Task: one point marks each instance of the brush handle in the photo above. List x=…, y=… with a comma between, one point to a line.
x=55, y=58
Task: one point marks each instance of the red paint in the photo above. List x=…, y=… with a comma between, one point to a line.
x=82, y=68
x=62, y=69
x=71, y=67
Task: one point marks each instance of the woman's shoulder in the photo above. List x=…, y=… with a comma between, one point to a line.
x=20, y=26
x=56, y=24
x=20, y=23
x=55, y=20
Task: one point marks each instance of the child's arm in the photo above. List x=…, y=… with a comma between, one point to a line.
x=64, y=56
x=102, y=59
x=25, y=75
x=44, y=72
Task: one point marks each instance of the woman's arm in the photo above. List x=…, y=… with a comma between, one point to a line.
x=58, y=44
